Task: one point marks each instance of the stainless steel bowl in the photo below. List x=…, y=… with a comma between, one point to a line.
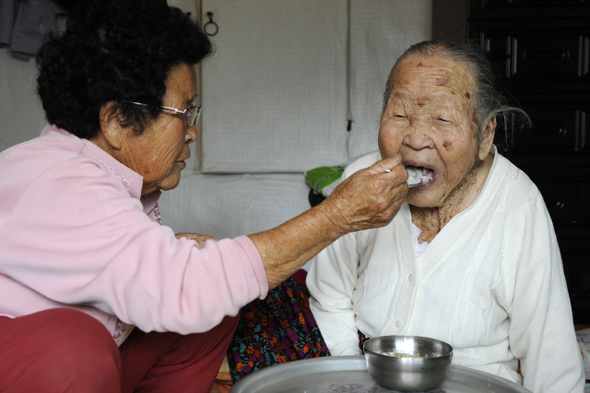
x=408, y=363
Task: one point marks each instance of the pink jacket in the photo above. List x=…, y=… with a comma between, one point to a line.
x=74, y=232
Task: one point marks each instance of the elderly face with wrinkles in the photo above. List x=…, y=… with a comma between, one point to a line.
x=430, y=119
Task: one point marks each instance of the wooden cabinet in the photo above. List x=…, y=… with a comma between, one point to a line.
x=541, y=51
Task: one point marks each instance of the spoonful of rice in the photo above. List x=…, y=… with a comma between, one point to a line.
x=416, y=176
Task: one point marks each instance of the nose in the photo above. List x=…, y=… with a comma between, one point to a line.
x=418, y=134
x=191, y=134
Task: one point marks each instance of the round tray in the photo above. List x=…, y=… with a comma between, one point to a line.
x=349, y=374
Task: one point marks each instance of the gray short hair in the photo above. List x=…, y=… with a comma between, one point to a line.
x=488, y=101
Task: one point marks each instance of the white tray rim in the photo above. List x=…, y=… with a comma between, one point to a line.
x=268, y=377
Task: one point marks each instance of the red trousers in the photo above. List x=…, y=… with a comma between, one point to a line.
x=64, y=350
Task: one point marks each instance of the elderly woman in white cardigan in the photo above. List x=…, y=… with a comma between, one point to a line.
x=471, y=258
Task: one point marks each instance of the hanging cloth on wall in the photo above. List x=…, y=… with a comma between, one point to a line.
x=7, y=15
x=24, y=24
x=275, y=90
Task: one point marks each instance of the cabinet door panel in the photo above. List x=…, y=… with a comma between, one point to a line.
x=555, y=130
x=519, y=9
x=564, y=196
x=577, y=273
x=534, y=54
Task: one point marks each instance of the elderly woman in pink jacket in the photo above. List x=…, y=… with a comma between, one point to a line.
x=95, y=294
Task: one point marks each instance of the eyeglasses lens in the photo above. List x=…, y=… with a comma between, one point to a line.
x=193, y=116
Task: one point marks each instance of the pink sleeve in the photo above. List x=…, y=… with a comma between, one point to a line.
x=77, y=237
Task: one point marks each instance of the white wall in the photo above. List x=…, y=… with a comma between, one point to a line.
x=185, y=5
x=21, y=115
x=219, y=205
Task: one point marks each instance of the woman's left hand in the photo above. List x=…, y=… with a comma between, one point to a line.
x=200, y=239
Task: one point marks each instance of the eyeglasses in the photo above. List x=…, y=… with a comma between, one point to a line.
x=192, y=115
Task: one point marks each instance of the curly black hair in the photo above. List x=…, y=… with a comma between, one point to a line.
x=114, y=50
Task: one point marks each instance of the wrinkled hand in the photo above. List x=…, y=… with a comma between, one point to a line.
x=200, y=239
x=370, y=197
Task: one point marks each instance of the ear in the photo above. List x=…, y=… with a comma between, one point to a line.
x=488, y=138
x=111, y=132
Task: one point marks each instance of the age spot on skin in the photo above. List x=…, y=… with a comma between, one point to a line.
x=448, y=145
x=442, y=82
x=467, y=95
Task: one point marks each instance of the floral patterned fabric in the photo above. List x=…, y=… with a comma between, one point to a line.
x=277, y=329
x=362, y=339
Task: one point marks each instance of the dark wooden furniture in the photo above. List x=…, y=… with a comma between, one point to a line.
x=541, y=49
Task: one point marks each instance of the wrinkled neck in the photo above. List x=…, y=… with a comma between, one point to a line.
x=431, y=220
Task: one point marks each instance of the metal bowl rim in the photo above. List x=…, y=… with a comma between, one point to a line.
x=380, y=354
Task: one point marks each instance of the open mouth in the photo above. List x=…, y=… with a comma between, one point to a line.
x=418, y=175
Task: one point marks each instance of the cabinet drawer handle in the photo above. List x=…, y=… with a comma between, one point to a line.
x=546, y=55
x=553, y=203
x=550, y=130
